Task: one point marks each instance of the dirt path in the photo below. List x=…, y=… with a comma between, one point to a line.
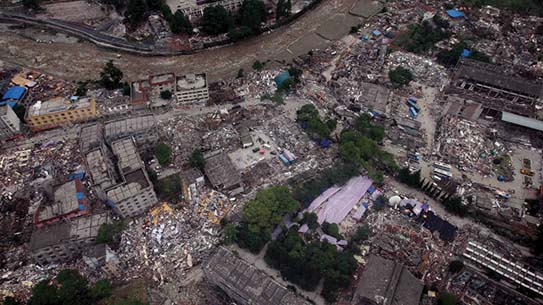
x=82, y=60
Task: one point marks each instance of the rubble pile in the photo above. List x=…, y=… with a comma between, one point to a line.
x=165, y=246
x=184, y=134
x=424, y=70
x=467, y=144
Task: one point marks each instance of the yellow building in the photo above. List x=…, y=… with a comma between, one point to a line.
x=60, y=111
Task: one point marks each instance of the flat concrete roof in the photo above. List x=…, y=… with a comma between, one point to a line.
x=191, y=82
x=130, y=125
x=57, y=104
x=522, y=121
x=129, y=159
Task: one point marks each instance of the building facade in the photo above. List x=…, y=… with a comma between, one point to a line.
x=60, y=111
x=141, y=128
x=10, y=125
x=65, y=240
x=192, y=88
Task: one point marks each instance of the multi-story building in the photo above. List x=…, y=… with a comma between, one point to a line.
x=192, y=88
x=65, y=240
x=134, y=194
x=69, y=201
x=10, y=125
x=146, y=91
x=60, y=111
x=141, y=128
x=194, y=9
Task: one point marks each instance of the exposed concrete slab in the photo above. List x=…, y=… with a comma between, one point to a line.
x=337, y=26
x=366, y=8
x=307, y=43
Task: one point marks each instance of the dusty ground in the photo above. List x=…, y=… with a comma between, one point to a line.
x=83, y=60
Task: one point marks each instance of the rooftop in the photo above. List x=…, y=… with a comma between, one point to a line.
x=334, y=204
x=98, y=168
x=492, y=75
x=245, y=283
x=122, y=127
x=522, y=121
x=68, y=197
x=221, y=172
x=14, y=93
x=75, y=229
x=58, y=104
x=388, y=283
x=91, y=136
x=191, y=82
x=155, y=80
x=129, y=159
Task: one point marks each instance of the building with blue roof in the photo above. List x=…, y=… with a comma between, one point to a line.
x=281, y=78
x=456, y=14
x=13, y=95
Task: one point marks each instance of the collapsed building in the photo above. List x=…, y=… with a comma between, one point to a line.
x=388, y=283
x=65, y=240
x=147, y=91
x=245, y=283
x=101, y=257
x=192, y=88
x=223, y=175
x=492, y=86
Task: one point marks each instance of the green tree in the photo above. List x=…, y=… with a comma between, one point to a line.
x=135, y=11
x=311, y=220
x=73, y=289
x=81, y=88
x=101, y=289
x=456, y=266
x=230, y=232
x=179, y=23
x=126, y=89
x=197, y=159
x=268, y=208
x=216, y=20
x=446, y=298
x=361, y=234
x=454, y=205
x=166, y=94
x=257, y=65
x=251, y=14
x=109, y=233
x=111, y=76
x=283, y=9
x=331, y=229
x=240, y=73
x=163, y=153
x=400, y=76
x=44, y=293
x=20, y=111
x=11, y=301
x=154, y=5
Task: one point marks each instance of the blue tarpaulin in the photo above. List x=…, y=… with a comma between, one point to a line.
x=303, y=125
x=281, y=78
x=501, y=178
x=79, y=176
x=376, y=32
x=371, y=189
x=14, y=93
x=325, y=143
x=10, y=104
x=81, y=207
x=455, y=14
x=465, y=53
x=80, y=195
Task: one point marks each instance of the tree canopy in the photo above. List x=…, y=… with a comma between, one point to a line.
x=135, y=11
x=216, y=20
x=111, y=76
x=308, y=116
x=179, y=23
x=71, y=288
x=163, y=153
x=197, y=159
x=283, y=9
x=251, y=14
x=400, y=76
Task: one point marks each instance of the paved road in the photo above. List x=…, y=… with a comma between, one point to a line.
x=83, y=60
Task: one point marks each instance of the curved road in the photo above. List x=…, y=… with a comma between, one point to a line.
x=83, y=60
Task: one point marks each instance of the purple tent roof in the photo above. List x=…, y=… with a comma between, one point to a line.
x=304, y=228
x=335, y=203
x=329, y=239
